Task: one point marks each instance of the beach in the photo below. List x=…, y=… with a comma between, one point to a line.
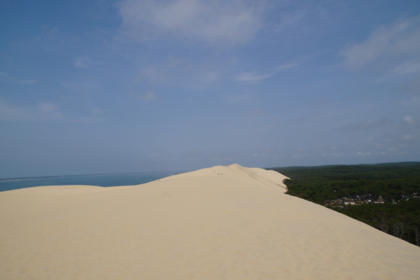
x=222, y=222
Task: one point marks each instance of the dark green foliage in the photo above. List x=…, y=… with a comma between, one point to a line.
x=401, y=220
x=397, y=183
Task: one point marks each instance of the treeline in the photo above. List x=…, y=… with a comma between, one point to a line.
x=401, y=220
x=397, y=183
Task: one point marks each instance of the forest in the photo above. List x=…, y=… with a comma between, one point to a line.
x=385, y=196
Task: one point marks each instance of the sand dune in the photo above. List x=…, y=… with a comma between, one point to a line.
x=224, y=222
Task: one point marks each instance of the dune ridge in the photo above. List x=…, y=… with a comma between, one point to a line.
x=222, y=222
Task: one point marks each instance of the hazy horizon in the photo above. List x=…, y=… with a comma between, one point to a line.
x=139, y=85
x=176, y=171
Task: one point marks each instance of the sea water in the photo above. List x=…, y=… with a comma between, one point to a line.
x=104, y=180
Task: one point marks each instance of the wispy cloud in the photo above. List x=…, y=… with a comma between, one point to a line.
x=286, y=66
x=253, y=77
x=4, y=77
x=387, y=44
x=216, y=22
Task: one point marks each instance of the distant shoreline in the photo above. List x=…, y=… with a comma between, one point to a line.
x=99, y=179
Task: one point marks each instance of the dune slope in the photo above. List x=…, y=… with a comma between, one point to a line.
x=224, y=222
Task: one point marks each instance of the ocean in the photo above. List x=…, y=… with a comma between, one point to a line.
x=104, y=180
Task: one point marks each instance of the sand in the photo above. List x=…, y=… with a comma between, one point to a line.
x=223, y=222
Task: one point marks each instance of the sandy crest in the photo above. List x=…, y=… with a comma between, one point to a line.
x=223, y=222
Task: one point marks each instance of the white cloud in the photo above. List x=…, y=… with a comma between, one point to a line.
x=387, y=44
x=252, y=77
x=217, y=22
x=4, y=77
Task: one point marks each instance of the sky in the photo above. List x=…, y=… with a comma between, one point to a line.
x=139, y=85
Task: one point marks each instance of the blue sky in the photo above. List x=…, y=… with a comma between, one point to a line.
x=139, y=85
